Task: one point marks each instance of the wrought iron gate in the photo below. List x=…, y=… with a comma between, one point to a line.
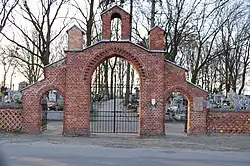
x=44, y=115
x=110, y=112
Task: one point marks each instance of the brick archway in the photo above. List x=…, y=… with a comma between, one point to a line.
x=111, y=52
x=32, y=110
x=108, y=53
x=40, y=95
x=187, y=95
x=72, y=77
x=124, y=120
x=47, y=88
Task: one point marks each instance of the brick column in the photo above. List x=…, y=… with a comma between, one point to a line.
x=152, y=99
x=75, y=38
x=156, y=39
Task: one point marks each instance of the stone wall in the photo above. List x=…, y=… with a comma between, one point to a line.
x=228, y=122
x=10, y=119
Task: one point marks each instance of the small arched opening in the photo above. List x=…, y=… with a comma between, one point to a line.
x=116, y=27
x=115, y=94
x=52, y=105
x=177, y=110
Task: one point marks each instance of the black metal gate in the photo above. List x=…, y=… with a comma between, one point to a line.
x=111, y=112
x=44, y=115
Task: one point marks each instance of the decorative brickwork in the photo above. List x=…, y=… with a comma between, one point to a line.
x=116, y=12
x=72, y=78
x=10, y=120
x=114, y=51
x=228, y=122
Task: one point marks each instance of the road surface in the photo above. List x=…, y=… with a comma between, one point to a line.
x=42, y=153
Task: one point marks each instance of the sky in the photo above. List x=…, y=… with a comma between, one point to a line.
x=19, y=78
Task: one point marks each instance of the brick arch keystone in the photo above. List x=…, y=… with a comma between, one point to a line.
x=93, y=62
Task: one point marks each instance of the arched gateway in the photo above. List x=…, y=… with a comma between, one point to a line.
x=72, y=76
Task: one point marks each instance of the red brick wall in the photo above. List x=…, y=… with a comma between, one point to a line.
x=198, y=123
x=80, y=68
x=175, y=81
x=31, y=99
x=228, y=122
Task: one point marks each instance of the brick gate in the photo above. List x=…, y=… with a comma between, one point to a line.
x=72, y=76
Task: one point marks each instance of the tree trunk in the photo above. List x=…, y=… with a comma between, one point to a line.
x=243, y=80
x=152, y=23
x=132, y=79
x=99, y=80
x=90, y=23
x=112, y=79
x=194, y=76
x=127, y=85
x=4, y=78
x=106, y=84
x=131, y=14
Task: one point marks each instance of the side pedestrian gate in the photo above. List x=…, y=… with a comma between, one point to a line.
x=44, y=115
x=110, y=112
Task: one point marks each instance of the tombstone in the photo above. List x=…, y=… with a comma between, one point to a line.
x=248, y=103
x=16, y=96
x=22, y=85
x=52, y=96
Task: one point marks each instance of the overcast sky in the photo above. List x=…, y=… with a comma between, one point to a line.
x=18, y=77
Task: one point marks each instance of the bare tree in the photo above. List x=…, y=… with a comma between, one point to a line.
x=30, y=66
x=206, y=31
x=87, y=17
x=43, y=22
x=246, y=65
x=8, y=63
x=230, y=42
x=6, y=7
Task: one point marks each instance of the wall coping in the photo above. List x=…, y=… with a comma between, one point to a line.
x=11, y=107
x=228, y=111
x=121, y=41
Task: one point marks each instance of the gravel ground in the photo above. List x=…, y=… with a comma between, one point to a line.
x=215, y=142
x=174, y=139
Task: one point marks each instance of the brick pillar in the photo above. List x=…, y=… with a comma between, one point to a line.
x=126, y=27
x=31, y=113
x=152, y=111
x=109, y=15
x=75, y=38
x=106, y=29
x=156, y=39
